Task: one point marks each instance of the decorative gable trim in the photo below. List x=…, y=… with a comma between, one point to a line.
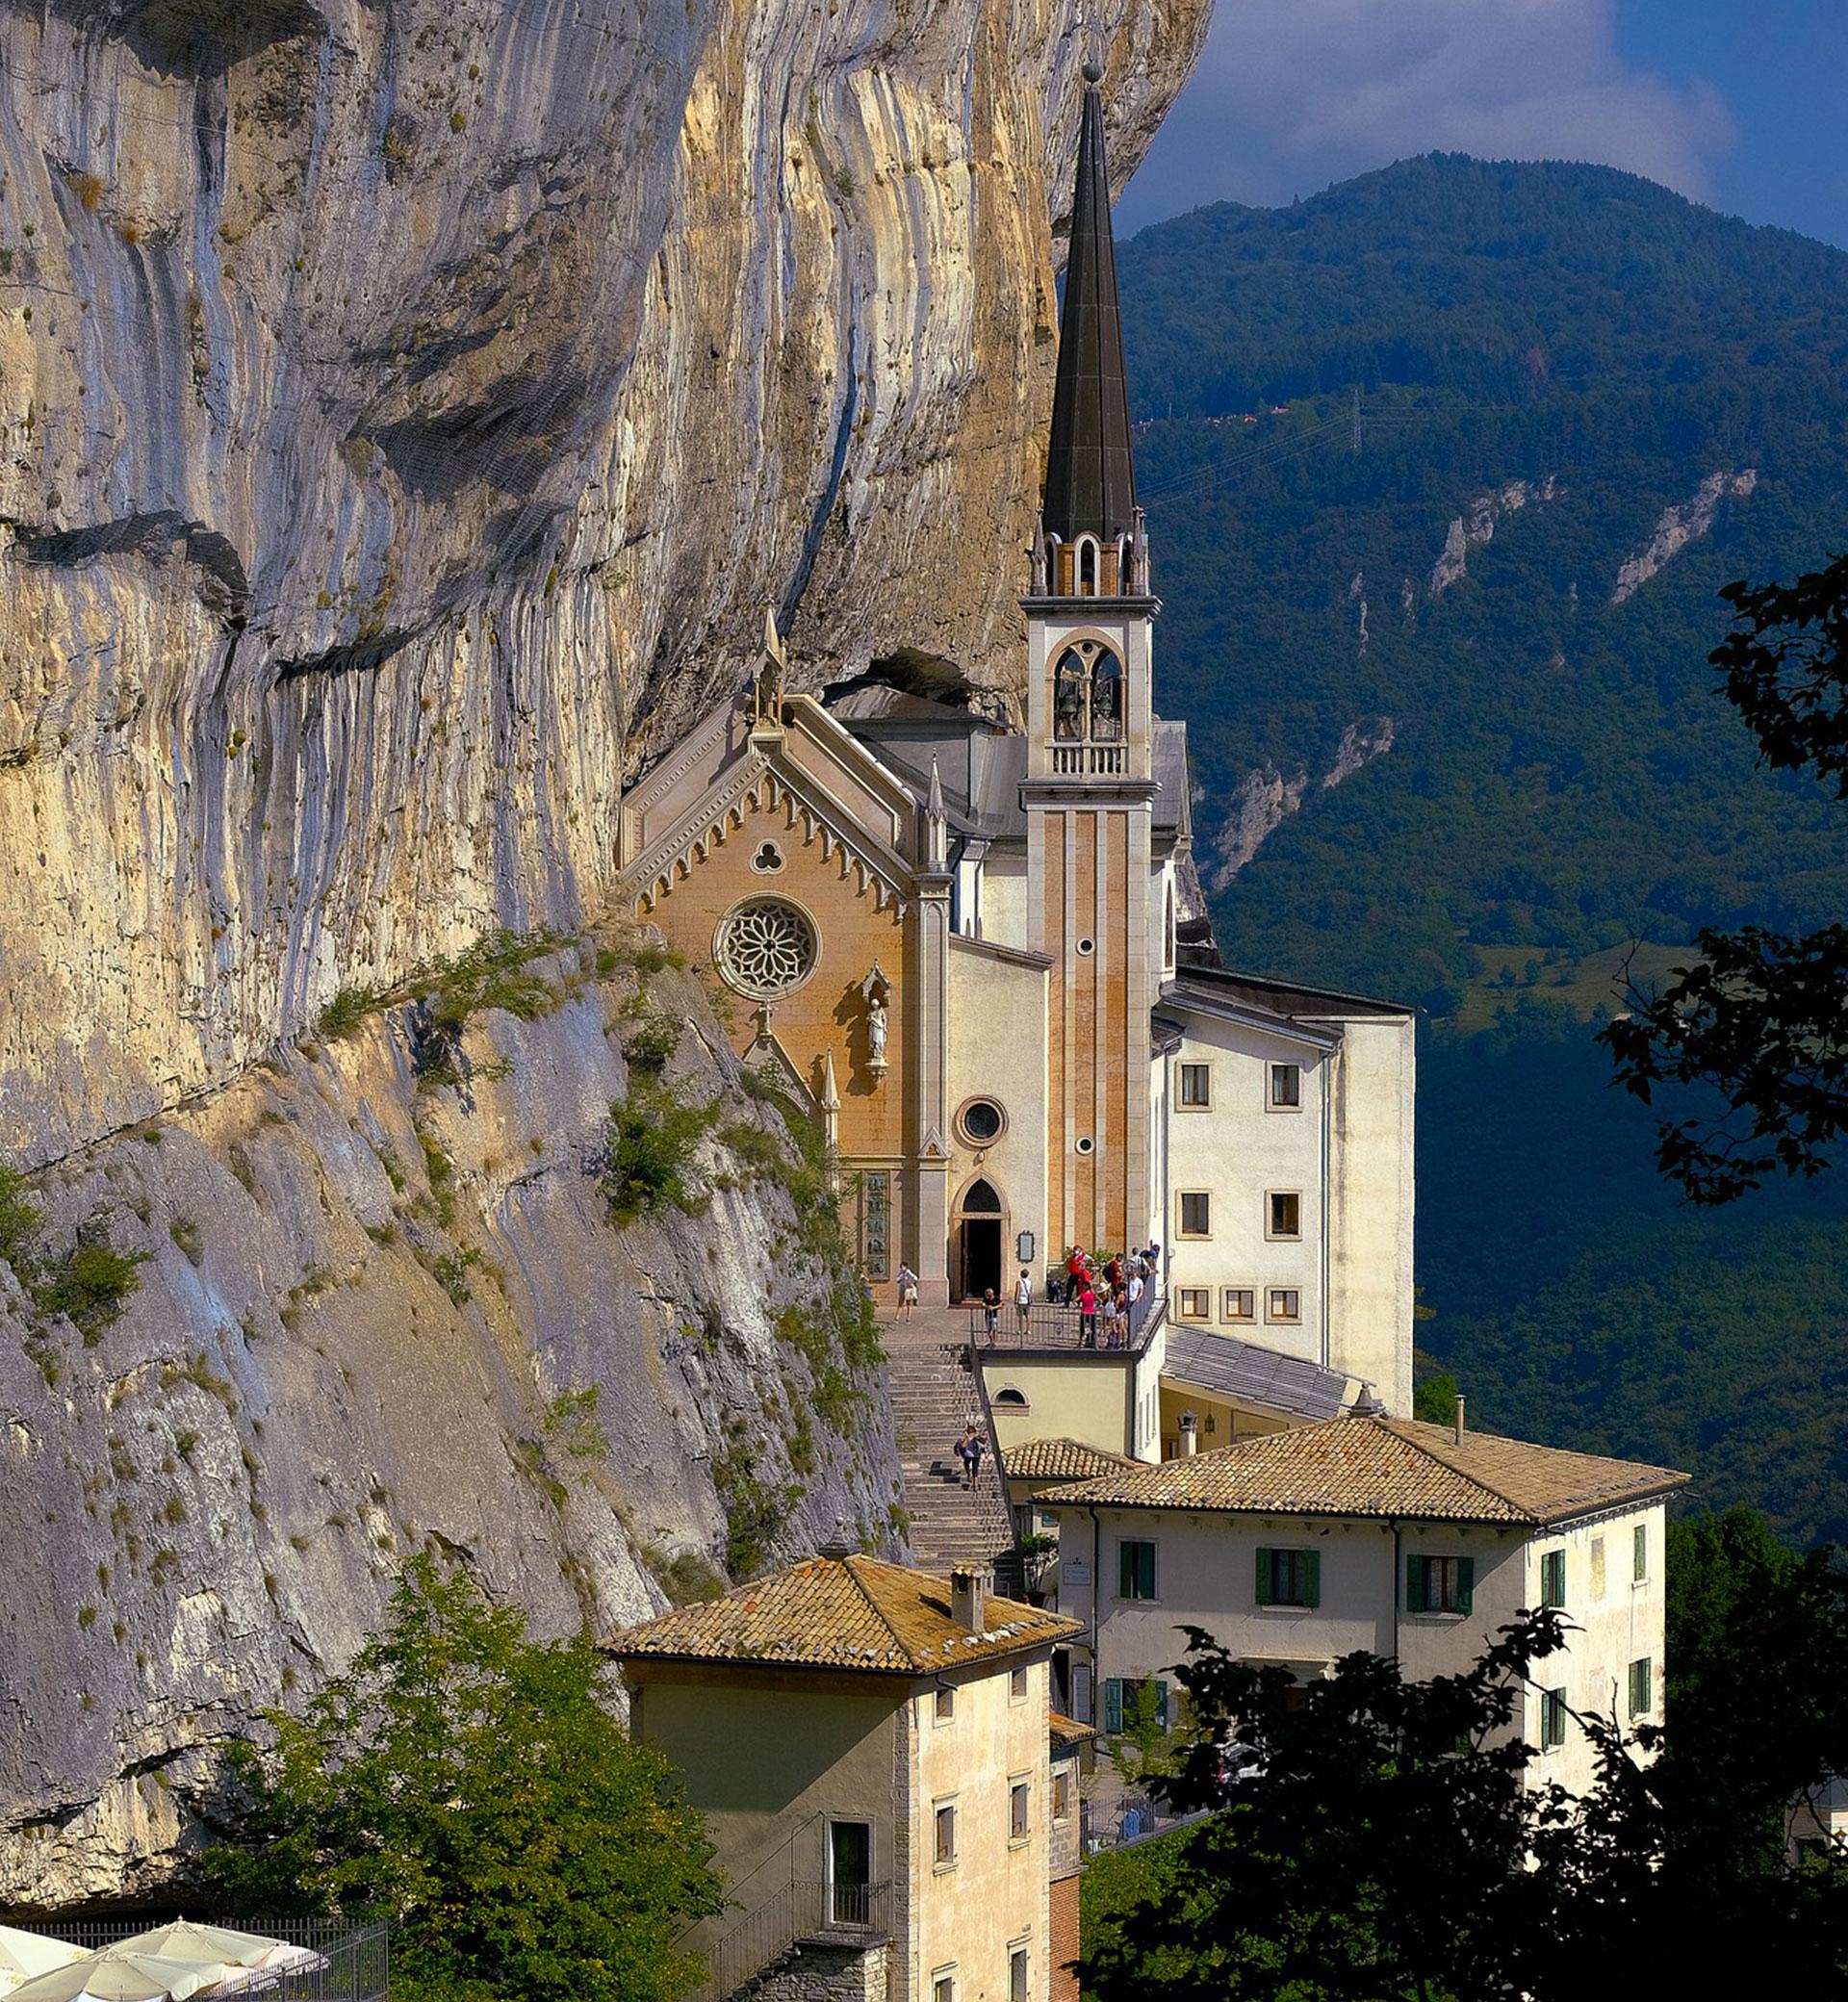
x=762, y=786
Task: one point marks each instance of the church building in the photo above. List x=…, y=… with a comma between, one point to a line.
x=976, y=951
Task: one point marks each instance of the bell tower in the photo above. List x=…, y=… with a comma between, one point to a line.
x=1091, y=784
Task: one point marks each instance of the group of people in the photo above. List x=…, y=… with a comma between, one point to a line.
x=1104, y=1287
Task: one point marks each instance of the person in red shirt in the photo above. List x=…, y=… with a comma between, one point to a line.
x=1086, y=1314
x=1074, y=1272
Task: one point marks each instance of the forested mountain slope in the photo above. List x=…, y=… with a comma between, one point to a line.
x=1459, y=740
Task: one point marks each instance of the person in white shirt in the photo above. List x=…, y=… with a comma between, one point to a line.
x=1023, y=1298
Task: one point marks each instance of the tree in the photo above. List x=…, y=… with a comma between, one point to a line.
x=1318, y=1875
x=1434, y=1399
x=474, y=1787
x=1392, y=1844
x=1762, y=1019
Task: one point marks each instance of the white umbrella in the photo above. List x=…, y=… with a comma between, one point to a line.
x=115, y=1976
x=218, y=1946
x=22, y=1955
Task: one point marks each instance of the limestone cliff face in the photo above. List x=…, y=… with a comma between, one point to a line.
x=407, y=408
x=368, y=1323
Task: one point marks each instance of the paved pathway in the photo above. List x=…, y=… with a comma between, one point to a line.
x=933, y=1396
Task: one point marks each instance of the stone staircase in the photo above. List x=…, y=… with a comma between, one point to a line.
x=933, y=1396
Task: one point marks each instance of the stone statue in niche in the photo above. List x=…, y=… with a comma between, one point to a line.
x=876, y=991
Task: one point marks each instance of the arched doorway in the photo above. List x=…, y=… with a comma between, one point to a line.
x=981, y=1224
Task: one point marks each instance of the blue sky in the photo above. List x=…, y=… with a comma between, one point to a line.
x=1739, y=103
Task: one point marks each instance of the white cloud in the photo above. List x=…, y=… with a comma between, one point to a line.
x=1291, y=94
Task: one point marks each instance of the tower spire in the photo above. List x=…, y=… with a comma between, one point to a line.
x=1091, y=478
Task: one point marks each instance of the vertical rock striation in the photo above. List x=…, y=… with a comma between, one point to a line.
x=406, y=411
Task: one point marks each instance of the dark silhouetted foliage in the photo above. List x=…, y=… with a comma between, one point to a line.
x=1763, y=1018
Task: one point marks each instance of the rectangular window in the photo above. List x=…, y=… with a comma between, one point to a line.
x=1196, y=1087
x=1286, y=1087
x=1197, y=1214
x=1239, y=1303
x=1017, y=1974
x=1552, y=1719
x=1136, y=1698
x=1061, y=1794
x=945, y=1705
x=1289, y=1577
x=944, y=1985
x=1596, y=1568
x=945, y=1819
x=1639, y=1553
x=1553, y=1579
x=1135, y=1569
x=1016, y=1686
x=1196, y=1302
x=1642, y=1694
x=1018, y=1794
x=1283, y=1303
x=1439, y=1585
x=1283, y=1214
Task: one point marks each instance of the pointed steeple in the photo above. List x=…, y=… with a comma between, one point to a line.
x=1091, y=481
x=936, y=826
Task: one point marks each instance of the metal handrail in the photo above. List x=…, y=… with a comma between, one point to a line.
x=803, y=1910
x=1053, y=1324
x=348, y=1965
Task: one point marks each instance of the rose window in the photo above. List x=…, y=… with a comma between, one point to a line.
x=765, y=948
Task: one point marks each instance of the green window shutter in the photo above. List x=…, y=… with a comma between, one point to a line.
x=1112, y=1704
x=1145, y=1571
x=1309, y=1573
x=1415, y=1589
x=1267, y=1578
x=1466, y=1584
x=1639, y=1551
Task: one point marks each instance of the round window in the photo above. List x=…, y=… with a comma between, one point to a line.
x=1086, y=1145
x=765, y=948
x=1087, y=946
x=982, y=1121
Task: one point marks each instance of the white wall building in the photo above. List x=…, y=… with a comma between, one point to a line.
x=1387, y=1535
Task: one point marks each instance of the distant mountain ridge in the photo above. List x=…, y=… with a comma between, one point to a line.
x=1584, y=406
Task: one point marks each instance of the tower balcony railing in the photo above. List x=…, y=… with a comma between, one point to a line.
x=1088, y=761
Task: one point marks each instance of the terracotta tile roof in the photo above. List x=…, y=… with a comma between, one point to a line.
x=1384, y=1466
x=1068, y=1734
x=1061, y=1460
x=841, y=1613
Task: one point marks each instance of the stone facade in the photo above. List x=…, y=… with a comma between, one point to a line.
x=822, y=1974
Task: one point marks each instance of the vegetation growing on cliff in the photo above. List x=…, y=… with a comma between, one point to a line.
x=473, y=1786
x=88, y=1284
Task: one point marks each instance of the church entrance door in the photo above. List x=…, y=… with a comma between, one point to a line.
x=981, y=1218
x=981, y=1256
